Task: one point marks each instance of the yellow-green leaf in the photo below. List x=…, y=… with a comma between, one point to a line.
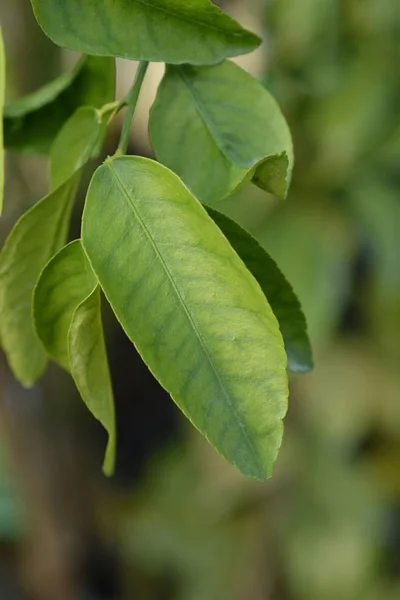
x=66, y=308
x=38, y=234
x=195, y=313
x=89, y=368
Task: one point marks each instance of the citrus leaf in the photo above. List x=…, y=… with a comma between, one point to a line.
x=193, y=310
x=75, y=144
x=33, y=241
x=37, y=235
x=89, y=368
x=2, y=94
x=32, y=122
x=64, y=283
x=218, y=126
x=173, y=31
x=276, y=288
x=66, y=309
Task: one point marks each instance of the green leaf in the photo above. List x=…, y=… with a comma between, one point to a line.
x=38, y=234
x=64, y=283
x=34, y=240
x=218, y=126
x=173, y=31
x=31, y=123
x=89, y=368
x=277, y=289
x=2, y=94
x=195, y=313
x=75, y=144
x=66, y=308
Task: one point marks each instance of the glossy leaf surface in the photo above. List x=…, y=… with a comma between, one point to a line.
x=173, y=31
x=31, y=123
x=2, y=94
x=195, y=313
x=35, y=238
x=217, y=126
x=89, y=368
x=67, y=317
x=64, y=283
x=277, y=289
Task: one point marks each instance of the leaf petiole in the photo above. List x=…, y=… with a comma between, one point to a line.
x=130, y=101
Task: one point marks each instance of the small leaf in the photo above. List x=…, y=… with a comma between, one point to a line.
x=31, y=123
x=66, y=308
x=2, y=94
x=64, y=283
x=173, y=31
x=75, y=144
x=276, y=288
x=37, y=235
x=218, y=126
x=193, y=310
x=89, y=368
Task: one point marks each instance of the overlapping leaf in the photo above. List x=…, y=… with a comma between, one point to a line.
x=38, y=234
x=66, y=308
x=195, y=313
x=64, y=283
x=89, y=368
x=31, y=123
x=2, y=94
x=218, y=126
x=173, y=31
x=75, y=144
x=277, y=289
x=35, y=238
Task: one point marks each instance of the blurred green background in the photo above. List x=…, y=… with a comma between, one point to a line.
x=176, y=522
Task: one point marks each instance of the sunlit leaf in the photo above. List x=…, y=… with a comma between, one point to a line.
x=38, y=234
x=89, y=368
x=173, y=31
x=32, y=122
x=64, y=283
x=277, y=289
x=217, y=126
x=66, y=308
x=195, y=313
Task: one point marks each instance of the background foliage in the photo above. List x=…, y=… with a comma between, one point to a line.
x=176, y=522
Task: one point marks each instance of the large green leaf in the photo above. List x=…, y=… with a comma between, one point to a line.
x=38, y=234
x=277, y=289
x=2, y=94
x=173, y=31
x=89, y=368
x=31, y=123
x=66, y=308
x=217, y=126
x=195, y=313
x=35, y=238
x=64, y=283
x=75, y=144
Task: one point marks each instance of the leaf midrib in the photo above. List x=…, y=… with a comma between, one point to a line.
x=182, y=17
x=182, y=303
x=201, y=109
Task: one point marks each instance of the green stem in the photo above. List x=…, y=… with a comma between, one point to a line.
x=130, y=101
